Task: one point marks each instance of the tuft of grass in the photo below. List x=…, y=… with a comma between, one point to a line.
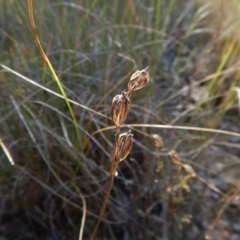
x=93, y=48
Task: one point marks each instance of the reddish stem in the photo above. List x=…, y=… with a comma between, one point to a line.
x=113, y=167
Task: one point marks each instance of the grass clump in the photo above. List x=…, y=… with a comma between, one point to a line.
x=192, y=49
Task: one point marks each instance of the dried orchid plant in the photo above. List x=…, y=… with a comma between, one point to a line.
x=123, y=142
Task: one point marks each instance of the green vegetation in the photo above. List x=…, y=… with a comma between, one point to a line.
x=60, y=135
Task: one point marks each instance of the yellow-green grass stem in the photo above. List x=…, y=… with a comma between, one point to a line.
x=30, y=8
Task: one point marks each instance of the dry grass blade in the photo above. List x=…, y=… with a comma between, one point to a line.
x=61, y=186
x=173, y=127
x=21, y=116
x=83, y=217
x=6, y=152
x=50, y=91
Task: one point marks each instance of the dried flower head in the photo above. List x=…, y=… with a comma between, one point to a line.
x=138, y=80
x=124, y=146
x=174, y=157
x=120, y=108
x=189, y=170
x=158, y=141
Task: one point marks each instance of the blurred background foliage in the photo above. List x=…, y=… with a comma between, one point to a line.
x=192, y=49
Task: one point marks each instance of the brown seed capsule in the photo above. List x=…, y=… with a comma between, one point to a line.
x=120, y=108
x=174, y=157
x=138, y=80
x=124, y=146
x=189, y=170
x=158, y=141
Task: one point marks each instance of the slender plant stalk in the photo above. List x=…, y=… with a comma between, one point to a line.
x=109, y=188
x=47, y=61
x=113, y=167
x=123, y=142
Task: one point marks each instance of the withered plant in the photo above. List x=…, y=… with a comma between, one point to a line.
x=123, y=142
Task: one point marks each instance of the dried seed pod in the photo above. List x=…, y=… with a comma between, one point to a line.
x=138, y=80
x=174, y=157
x=120, y=108
x=124, y=146
x=158, y=141
x=189, y=170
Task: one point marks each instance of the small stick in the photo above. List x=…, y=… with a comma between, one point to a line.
x=109, y=187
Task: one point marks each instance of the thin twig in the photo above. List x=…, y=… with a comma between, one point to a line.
x=109, y=187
